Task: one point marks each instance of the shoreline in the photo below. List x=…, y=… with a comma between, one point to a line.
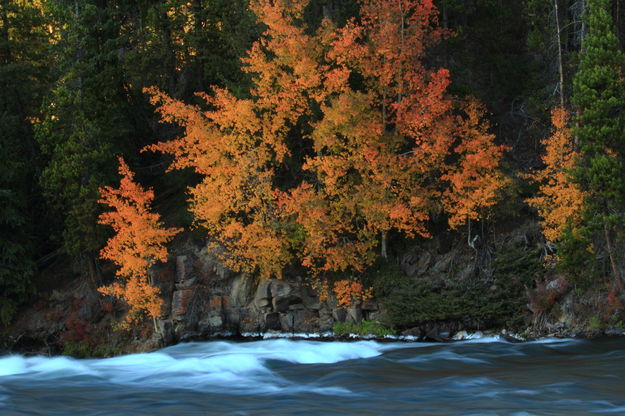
x=477, y=336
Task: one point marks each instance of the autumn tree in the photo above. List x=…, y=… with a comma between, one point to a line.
x=383, y=158
x=138, y=244
x=350, y=292
x=473, y=179
x=238, y=144
x=559, y=200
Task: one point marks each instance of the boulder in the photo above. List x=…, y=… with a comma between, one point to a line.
x=354, y=315
x=369, y=305
x=416, y=263
x=460, y=335
x=372, y=315
x=326, y=321
x=305, y=321
x=412, y=332
x=241, y=291
x=272, y=321
x=180, y=303
x=250, y=322
x=165, y=331
x=433, y=334
x=339, y=314
x=263, y=295
x=287, y=321
x=310, y=299
x=443, y=263
x=280, y=288
x=282, y=304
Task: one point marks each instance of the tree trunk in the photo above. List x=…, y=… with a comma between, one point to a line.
x=559, y=42
x=93, y=270
x=383, y=244
x=616, y=277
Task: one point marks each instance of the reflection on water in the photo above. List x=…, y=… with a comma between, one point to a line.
x=283, y=377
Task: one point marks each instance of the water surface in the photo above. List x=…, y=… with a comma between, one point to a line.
x=284, y=377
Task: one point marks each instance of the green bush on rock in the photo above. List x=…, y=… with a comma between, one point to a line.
x=364, y=328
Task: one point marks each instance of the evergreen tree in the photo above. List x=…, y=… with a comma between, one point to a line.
x=22, y=75
x=599, y=94
x=86, y=119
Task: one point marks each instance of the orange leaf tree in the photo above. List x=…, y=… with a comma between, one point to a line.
x=474, y=178
x=138, y=243
x=559, y=200
x=238, y=144
x=384, y=158
x=346, y=136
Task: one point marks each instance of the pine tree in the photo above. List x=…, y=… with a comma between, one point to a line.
x=22, y=79
x=599, y=94
x=86, y=120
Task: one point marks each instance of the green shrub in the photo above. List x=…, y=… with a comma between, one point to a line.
x=499, y=303
x=364, y=328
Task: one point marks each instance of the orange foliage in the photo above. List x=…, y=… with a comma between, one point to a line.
x=237, y=145
x=559, y=201
x=349, y=292
x=140, y=295
x=332, y=241
x=382, y=159
x=474, y=178
x=139, y=243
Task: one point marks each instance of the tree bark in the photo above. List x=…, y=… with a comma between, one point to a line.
x=384, y=244
x=616, y=277
x=559, y=42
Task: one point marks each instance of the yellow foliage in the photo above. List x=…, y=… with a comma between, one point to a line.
x=559, y=201
x=474, y=179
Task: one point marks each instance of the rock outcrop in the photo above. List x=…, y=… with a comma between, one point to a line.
x=206, y=300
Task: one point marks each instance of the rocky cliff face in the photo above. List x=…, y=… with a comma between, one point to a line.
x=207, y=299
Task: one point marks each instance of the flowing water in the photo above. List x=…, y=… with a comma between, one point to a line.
x=284, y=377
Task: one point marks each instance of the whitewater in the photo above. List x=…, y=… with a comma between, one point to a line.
x=486, y=376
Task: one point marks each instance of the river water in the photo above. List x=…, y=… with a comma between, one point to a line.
x=283, y=377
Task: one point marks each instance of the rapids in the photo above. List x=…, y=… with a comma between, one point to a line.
x=484, y=376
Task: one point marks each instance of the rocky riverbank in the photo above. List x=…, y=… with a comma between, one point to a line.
x=442, y=291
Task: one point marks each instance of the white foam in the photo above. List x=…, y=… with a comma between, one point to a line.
x=484, y=339
x=210, y=366
x=13, y=364
x=58, y=366
x=44, y=366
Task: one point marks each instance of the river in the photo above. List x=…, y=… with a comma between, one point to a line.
x=484, y=376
